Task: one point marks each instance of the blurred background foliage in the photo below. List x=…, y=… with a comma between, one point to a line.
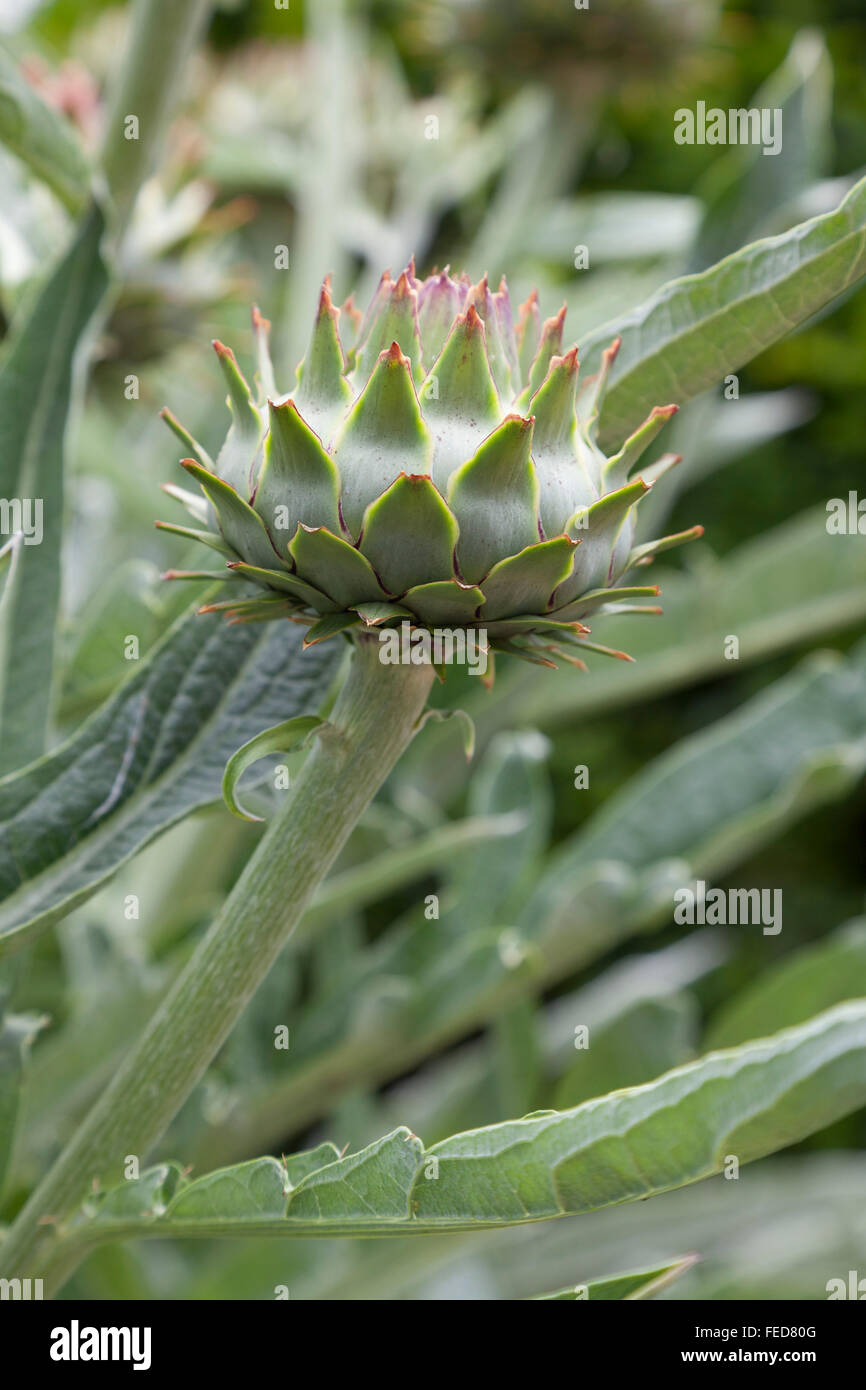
x=309, y=127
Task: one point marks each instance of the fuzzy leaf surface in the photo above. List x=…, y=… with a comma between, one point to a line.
x=750, y=1101
x=151, y=755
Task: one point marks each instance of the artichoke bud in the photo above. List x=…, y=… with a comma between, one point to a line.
x=437, y=465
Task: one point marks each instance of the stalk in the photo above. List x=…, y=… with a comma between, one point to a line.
x=162, y=36
x=372, y=723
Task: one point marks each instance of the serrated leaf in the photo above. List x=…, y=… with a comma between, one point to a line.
x=749, y=1101
x=250, y=1191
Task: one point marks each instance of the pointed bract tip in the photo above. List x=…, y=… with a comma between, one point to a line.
x=610, y=352
x=568, y=361
x=526, y=422
x=326, y=303
x=393, y=355
x=404, y=288
x=259, y=320
x=222, y=351
x=663, y=412
x=531, y=298
x=472, y=320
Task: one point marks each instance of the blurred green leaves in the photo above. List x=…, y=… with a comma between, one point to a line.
x=792, y=585
x=695, y=331
x=640, y=1284
x=36, y=392
x=743, y=190
x=17, y=1032
x=40, y=136
x=696, y=811
x=814, y=978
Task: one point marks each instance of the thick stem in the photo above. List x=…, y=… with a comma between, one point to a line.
x=161, y=38
x=372, y=722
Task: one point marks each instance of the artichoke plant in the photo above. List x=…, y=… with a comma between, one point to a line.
x=441, y=470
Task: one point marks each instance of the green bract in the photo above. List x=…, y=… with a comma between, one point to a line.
x=441, y=470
